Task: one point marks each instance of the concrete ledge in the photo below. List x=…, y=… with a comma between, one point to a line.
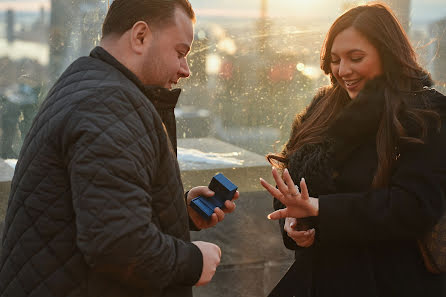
x=201, y=158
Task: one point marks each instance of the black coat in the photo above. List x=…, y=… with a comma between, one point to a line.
x=96, y=205
x=366, y=239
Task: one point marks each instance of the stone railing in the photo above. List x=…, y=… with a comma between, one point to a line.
x=253, y=256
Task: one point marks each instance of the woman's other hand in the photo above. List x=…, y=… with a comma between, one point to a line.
x=302, y=238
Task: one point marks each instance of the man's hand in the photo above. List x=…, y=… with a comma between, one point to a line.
x=303, y=238
x=211, y=258
x=218, y=214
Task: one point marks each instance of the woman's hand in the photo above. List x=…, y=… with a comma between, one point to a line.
x=302, y=238
x=298, y=205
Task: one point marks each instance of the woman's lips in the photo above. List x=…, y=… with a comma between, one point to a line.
x=351, y=84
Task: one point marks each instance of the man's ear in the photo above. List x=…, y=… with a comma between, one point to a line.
x=140, y=36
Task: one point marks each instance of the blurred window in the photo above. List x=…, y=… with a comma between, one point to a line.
x=255, y=64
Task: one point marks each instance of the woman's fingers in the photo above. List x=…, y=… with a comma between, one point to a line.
x=289, y=224
x=304, y=190
x=301, y=235
x=290, y=184
x=302, y=238
x=272, y=190
x=298, y=235
x=278, y=214
x=279, y=182
x=307, y=242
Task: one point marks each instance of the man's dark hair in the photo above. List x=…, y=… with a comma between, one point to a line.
x=123, y=14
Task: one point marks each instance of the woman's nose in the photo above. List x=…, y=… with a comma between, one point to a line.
x=344, y=69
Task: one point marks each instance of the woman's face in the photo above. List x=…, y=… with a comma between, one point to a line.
x=354, y=61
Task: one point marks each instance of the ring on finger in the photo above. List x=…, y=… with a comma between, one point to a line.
x=297, y=191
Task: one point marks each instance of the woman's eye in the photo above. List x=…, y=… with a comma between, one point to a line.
x=359, y=59
x=335, y=61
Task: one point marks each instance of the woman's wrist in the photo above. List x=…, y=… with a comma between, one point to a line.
x=314, y=206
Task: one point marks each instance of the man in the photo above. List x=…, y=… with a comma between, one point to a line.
x=96, y=205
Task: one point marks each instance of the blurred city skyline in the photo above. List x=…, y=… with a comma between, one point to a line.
x=240, y=59
x=421, y=10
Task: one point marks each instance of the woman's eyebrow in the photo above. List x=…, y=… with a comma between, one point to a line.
x=350, y=51
x=355, y=50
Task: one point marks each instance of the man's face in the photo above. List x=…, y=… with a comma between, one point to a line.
x=165, y=57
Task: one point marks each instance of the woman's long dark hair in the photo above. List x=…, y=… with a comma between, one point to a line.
x=403, y=76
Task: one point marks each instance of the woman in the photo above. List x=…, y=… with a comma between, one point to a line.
x=371, y=147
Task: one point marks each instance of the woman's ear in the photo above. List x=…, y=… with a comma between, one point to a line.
x=140, y=37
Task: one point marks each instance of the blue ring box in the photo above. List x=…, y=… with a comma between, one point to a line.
x=224, y=190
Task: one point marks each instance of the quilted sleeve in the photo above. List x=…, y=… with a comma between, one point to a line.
x=111, y=153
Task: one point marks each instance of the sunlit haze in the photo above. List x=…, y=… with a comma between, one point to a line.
x=420, y=9
x=25, y=5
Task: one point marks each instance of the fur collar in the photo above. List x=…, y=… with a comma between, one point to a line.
x=357, y=122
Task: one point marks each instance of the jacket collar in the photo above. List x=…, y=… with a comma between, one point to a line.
x=359, y=119
x=160, y=97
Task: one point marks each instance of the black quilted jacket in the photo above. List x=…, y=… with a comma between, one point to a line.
x=96, y=205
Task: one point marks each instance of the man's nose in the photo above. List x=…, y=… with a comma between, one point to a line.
x=184, y=69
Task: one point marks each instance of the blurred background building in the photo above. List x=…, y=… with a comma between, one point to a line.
x=438, y=51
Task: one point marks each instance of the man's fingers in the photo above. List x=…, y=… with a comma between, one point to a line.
x=278, y=214
x=304, y=190
x=229, y=206
x=236, y=195
x=214, y=220
x=220, y=214
x=200, y=191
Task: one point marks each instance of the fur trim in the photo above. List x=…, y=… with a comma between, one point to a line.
x=314, y=163
x=358, y=121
